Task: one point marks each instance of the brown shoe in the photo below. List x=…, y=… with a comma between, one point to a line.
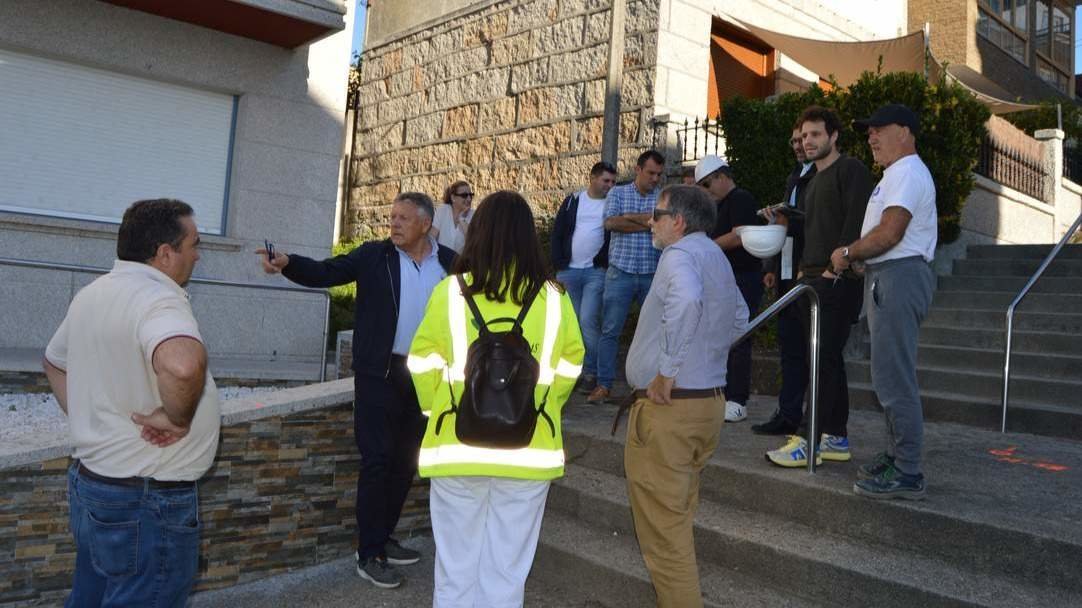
x=600, y=394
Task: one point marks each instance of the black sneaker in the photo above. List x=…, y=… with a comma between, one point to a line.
x=876, y=467
x=377, y=571
x=777, y=425
x=397, y=555
x=586, y=384
x=892, y=483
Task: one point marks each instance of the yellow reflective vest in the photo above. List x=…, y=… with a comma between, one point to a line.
x=437, y=362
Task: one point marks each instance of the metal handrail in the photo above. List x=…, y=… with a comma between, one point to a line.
x=813, y=402
x=1014, y=304
x=21, y=263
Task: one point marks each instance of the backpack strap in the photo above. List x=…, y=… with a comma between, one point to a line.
x=527, y=303
x=481, y=325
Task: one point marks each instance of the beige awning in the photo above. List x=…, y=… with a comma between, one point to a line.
x=846, y=61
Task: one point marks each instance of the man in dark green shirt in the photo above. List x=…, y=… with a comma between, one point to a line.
x=835, y=200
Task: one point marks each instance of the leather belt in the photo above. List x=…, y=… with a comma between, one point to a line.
x=676, y=393
x=134, y=482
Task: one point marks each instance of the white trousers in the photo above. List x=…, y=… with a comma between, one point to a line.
x=486, y=531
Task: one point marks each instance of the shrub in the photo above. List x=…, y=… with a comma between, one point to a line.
x=1044, y=117
x=952, y=125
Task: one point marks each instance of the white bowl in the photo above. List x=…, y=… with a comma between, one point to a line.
x=762, y=241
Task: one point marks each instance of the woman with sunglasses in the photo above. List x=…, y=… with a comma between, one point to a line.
x=453, y=216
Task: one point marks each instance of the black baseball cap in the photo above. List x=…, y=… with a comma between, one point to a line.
x=891, y=114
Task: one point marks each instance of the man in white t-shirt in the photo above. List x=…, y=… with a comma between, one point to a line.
x=129, y=368
x=580, y=255
x=896, y=246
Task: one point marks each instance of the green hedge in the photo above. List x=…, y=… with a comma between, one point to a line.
x=952, y=124
x=1044, y=117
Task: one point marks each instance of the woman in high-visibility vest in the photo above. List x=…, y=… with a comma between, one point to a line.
x=486, y=502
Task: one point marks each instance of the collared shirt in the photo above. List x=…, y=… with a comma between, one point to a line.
x=908, y=184
x=106, y=345
x=689, y=319
x=417, y=281
x=632, y=252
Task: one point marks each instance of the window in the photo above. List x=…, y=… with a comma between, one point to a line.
x=1052, y=43
x=1003, y=23
x=84, y=143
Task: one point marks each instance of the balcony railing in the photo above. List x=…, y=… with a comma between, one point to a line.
x=1011, y=167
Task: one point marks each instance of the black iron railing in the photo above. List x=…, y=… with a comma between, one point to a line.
x=700, y=137
x=1072, y=162
x=1010, y=167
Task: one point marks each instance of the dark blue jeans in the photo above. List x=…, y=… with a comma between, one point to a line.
x=621, y=289
x=388, y=427
x=586, y=286
x=738, y=376
x=135, y=546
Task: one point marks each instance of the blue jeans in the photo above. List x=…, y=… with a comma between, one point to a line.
x=135, y=546
x=585, y=286
x=621, y=288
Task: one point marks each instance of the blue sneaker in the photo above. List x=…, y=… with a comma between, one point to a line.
x=892, y=483
x=834, y=448
x=793, y=454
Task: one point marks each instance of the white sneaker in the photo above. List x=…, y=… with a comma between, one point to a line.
x=735, y=412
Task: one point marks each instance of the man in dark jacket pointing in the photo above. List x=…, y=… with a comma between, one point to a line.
x=394, y=279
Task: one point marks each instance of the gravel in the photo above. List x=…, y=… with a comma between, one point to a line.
x=38, y=415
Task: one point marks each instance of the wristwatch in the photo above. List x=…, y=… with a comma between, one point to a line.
x=845, y=252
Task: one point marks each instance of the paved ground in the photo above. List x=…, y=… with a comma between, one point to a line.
x=1021, y=481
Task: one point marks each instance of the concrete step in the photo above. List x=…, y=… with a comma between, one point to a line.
x=1067, y=322
x=601, y=564
x=1061, y=285
x=1024, y=341
x=992, y=511
x=986, y=386
x=990, y=360
x=1000, y=267
x=1000, y=300
x=1056, y=421
x=756, y=544
x=1014, y=252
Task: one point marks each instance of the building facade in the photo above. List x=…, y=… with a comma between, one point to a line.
x=236, y=107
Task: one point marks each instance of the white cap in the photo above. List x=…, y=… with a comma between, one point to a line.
x=762, y=241
x=707, y=165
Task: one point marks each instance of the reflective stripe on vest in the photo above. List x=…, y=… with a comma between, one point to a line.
x=421, y=365
x=530, y=458
x=456, y=313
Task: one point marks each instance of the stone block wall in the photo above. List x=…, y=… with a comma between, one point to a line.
x=509, y=95
x=281, y=495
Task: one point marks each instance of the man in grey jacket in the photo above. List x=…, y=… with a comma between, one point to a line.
x=677, y=364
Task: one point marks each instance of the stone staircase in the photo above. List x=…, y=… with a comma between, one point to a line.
x=960, y=361
x=996, y=530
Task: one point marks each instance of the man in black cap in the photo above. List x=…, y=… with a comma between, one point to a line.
x=896, y=247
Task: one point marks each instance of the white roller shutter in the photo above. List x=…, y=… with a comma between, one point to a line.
x=84, y=143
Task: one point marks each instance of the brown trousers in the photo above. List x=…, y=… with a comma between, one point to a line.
x=667, y=447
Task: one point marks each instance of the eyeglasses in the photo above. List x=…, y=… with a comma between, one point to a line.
x=464, y=194
x=659, y=213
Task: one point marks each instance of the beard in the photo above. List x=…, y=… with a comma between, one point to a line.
x=820, y=154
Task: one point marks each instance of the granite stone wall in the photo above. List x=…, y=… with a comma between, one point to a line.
x=508, y=96
x=280, y=496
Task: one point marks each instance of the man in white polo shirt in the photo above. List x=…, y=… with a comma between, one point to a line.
x=129, y=368
x=897, y=245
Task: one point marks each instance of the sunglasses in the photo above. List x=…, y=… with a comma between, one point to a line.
x=660, y=213
x=464, y=194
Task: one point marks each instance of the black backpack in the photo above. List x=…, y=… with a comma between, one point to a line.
x=497, y=408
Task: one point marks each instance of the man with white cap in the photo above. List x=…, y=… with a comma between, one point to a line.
x=897, y=245
x=736, y=207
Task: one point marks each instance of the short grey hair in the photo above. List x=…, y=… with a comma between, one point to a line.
x=422, y=201
x=694, y=204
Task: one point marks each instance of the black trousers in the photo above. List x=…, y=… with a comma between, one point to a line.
x=738, y=367
x=793, y=351
x=839, y=308
x=388, y=427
